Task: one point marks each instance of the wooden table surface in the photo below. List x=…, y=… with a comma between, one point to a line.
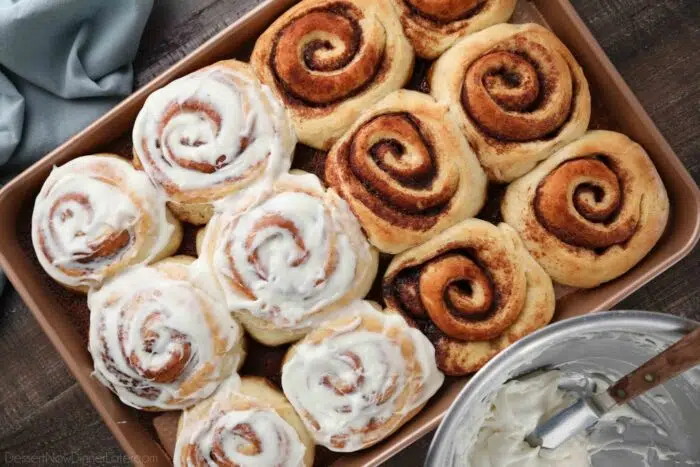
x=47, y=420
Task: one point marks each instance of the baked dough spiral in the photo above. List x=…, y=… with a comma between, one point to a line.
x=473, y=290
x=159, y=342
x=432, y=26
x=356, y=379
x=517, y=94
x=591, y=211
x=247, y=423
x=210, y=134
x=329, y=60
x=406, y=171
x=96, y=215
x=288, y=259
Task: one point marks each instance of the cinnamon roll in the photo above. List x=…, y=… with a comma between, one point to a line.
x=157, y=341
x=517, y=94
x=247, y=423
x=591, y=211
x=432, y=26
x=358, y=378
x=328, y=60
x=287, y=260
x=96, y=215
x=211, y=134
x=473, y=290
x=406, y=171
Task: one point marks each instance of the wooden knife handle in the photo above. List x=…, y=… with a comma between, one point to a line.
x=678, y=358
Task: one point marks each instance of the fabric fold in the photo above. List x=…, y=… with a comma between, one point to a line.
x=63, y=63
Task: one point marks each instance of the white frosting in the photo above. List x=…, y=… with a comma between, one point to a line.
x=83, y=203
x=622, y=435
x=279, y=443
x=307, y=257
x=371, y=366
x=515, y=411
x=231, y=107
x=175, y=314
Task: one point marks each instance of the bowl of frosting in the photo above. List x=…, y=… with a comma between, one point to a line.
x=546, y=371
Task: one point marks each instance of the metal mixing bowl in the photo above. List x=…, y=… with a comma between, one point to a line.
x=607, y=344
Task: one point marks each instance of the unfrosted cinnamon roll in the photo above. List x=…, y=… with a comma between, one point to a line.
x=96, y=215
x=517, y=94
x=247, y=423
x=210, y=134
x=329, y=60
x=286, y=259
x=358, y=378
x=406, y=171
x=432, y=26
x=473, y=290
x=159, y=342
x=591, y=211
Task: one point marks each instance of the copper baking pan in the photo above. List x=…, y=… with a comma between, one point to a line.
x=148, y=438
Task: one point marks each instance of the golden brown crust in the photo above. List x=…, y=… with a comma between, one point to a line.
x=406, y=171
x=591, y=211
x=193, y=213
x=328, y=60
x=152, y=235
x=516, y=92
x=251, y=393
x=360, y=341
x=472, y=290
x=188, y=361
x=258, y=299
x=432, y=26
x=185, y=170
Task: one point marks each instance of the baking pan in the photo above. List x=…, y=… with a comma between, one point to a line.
x=148, y=439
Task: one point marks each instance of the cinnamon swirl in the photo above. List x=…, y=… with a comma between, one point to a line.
x=328, y=60
x=247, y=423
x=286, y=261
x=473, y=290
x=356, y=379
x=432, y=26
x=406, y=171
x=517, y=94
x=159, y=342
x=211, y=134
x=591, y=211
x=95, y=216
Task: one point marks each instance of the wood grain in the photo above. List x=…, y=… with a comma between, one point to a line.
x=46, y=418
x=680, y=357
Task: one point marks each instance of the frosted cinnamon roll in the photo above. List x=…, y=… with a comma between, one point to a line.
x=328, y=60
x=96, y=215
x=517, y=93
x=210, y=134
x=406, y=171
x=157, y=341
x=246, y=423
x=473, y=290
x=591, y=211
x=289, y=259
x=358, y=378
x=432, y=26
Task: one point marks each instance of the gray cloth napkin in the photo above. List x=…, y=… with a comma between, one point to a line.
x=63, y=63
